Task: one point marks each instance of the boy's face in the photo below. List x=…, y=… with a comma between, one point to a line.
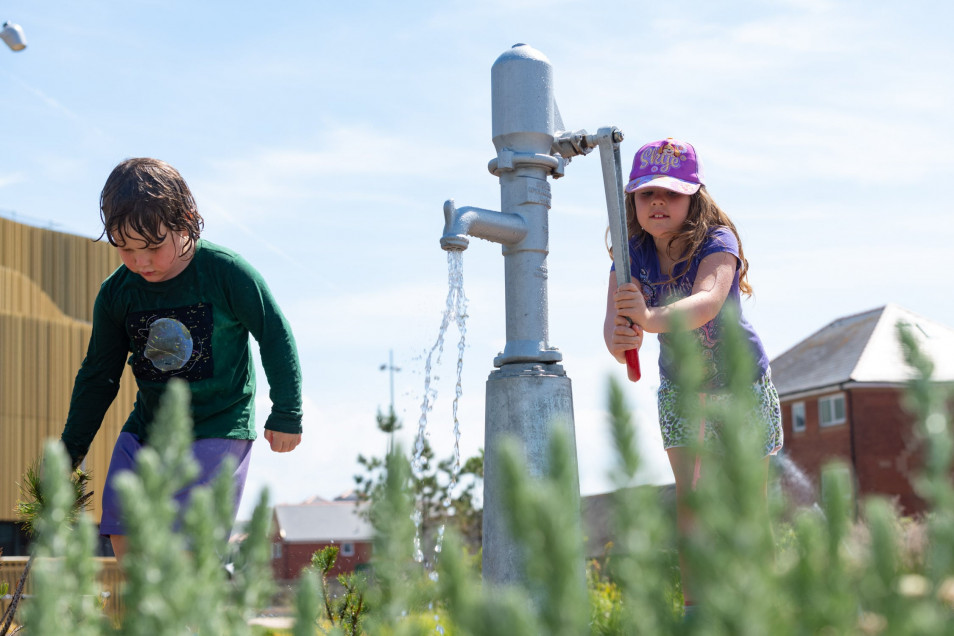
x=155, y=262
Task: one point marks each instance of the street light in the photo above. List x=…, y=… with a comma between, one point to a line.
x=12, y=34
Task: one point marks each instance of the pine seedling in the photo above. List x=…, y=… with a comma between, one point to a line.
x=30, y=504
x=347, y=609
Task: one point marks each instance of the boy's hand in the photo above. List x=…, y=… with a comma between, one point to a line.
x=282, y=442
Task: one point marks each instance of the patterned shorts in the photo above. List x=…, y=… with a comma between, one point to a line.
x=766, y=416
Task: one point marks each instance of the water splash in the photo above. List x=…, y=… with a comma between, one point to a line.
x=455, y=311
x=797, y=486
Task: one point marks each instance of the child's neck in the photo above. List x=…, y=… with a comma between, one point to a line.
x=668, y=254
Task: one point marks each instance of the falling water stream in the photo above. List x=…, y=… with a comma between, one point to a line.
x=455, y=311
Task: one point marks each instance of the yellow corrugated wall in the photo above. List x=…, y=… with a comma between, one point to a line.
x=48, y=282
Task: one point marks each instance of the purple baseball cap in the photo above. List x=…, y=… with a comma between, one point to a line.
x=669, y=164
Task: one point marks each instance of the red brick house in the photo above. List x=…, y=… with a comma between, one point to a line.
x=842, y=397
x=299, y=530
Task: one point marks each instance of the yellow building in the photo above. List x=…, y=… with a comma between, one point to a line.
x=48, y=282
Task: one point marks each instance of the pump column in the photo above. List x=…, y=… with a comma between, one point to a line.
x=529, y=396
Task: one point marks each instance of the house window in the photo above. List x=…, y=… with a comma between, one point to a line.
x=831, y=410
x=347, y=549
x=276, y=550
x=798, y=417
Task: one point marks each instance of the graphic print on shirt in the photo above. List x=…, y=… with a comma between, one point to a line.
x=174, y=342
x=710, y=341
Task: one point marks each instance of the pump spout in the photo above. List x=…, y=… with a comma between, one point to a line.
x=498, y=227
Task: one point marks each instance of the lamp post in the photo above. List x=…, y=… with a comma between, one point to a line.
x=392, y=417
x=12, y=35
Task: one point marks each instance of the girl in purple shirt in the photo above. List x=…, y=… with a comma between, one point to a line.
x=687, y=260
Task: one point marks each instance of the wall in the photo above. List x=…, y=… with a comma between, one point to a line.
x=812, y=448
x=296, y=556
x=885, y=451
x=48, y=283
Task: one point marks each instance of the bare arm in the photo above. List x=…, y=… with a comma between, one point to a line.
x=713, y=281
x=617, y=332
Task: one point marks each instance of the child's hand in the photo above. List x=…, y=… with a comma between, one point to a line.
x=624, y=338
x=282, y=442
x=631, y=303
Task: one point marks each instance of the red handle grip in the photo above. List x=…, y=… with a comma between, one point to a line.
x=632, y=364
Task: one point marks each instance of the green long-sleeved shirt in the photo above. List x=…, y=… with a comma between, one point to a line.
x=196, y=327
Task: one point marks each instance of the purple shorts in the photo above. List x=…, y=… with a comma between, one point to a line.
x=209, y=453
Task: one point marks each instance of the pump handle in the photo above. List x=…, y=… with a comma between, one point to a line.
x=632, y=364
x=608, y=140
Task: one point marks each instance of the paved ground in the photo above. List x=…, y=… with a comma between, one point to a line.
x=274, y=622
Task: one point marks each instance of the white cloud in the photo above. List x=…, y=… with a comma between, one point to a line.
x=11, y=178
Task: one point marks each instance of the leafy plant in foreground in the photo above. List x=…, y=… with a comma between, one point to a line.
x=175, y=579
x=29, y=508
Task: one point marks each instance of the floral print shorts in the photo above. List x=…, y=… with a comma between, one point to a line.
x=766, y=415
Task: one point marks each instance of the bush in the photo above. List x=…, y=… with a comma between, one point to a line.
x=821, y=572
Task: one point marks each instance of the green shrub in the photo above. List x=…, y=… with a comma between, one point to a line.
x=754, y=571
x=175, y=581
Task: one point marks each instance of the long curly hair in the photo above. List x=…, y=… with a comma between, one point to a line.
x=704, y=214
x=143, y=194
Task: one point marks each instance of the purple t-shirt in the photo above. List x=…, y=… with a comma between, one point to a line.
x=645, y=269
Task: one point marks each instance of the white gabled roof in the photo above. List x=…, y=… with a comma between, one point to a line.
x=863, y=348
x=320, y=522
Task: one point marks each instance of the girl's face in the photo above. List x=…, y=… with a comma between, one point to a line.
x=155, y=262
x=661, y=212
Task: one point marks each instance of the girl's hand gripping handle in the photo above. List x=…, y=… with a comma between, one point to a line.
x=632, y=362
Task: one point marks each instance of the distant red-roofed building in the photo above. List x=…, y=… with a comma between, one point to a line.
x=842, y=394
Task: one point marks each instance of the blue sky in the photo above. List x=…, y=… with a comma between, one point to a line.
x=321, y=140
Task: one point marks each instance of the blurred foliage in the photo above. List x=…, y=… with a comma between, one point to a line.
x=842, y=567
x=445, y=494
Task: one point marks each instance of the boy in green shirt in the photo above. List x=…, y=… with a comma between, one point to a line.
x=179, y=307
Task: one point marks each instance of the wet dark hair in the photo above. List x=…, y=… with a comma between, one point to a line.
x=143, y=194
x=704, y=214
